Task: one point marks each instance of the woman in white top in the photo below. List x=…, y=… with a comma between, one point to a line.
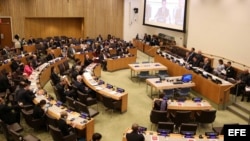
x=17, y=44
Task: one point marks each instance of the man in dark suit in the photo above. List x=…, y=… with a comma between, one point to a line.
x=134, y=135
x=87, y=60
x=64, y=89
x=82, y=87
x=207, y=65
x=38, y=112
x=50, y=56
x=62, y=124
x=230, y=72
x=24, y=95
x=6, y=113
x=190, y=56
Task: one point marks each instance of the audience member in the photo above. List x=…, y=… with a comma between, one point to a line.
x=207, y=65
x=53, y=76
x=135, y=135
x=8, y=114
x=24, y=95
x=190, y=55
x=28, y=69
x=50, y=56
x=62, y=124
x=160, y=103
x=64, y=89
x=96, y=137
x=87, y=60
x=82, y=87
x=242, y=80
x=230, y=72
x=219, y=68
x=15, y=64
x=38, y=111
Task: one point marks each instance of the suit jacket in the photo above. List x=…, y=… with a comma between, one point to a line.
x=38, y=112
x=80, y=86
x=207, y=68
x=25, y=96
x=6, y=114
x=63, y=126
x=50, y=57
x=230, y=72
x=14, y=65
x=55, y=78
x=134, y=136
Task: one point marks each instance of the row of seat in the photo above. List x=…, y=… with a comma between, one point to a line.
x=179, y=117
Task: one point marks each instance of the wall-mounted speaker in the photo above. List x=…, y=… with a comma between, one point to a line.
x=136, y=10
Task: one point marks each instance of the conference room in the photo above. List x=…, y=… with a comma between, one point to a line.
x=86, y=20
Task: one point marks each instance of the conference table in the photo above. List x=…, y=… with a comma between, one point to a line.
x=189, y=105
x=168, y=83
x=205, y=86
x=84, y=126
x=118, y=63
x=136, y=67
x=89, y=78
x=154, y=136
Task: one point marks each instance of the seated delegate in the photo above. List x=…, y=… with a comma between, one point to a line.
x=135, y=135
x=160, y=103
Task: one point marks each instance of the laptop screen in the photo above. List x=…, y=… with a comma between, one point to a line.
x=186, y=78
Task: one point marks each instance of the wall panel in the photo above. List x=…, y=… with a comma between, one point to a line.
x=100, y=16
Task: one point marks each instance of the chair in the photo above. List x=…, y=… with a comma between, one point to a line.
x=58, y=136
x=36, y=124
x=180, y=117
x=183, y=92
x=143, y=75
x=220, y=130
x=157, y=116
x=6, y=128
x=189, y=127
x=205, y=116
x=71, y=103
x=86, y=99
x=162, y=74
x=111, y=104
x=88, y=110
x=168, y=93
x=18, y=137
x=50, y=121
x=166, y=126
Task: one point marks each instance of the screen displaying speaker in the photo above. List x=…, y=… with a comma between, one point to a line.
x=168, y=14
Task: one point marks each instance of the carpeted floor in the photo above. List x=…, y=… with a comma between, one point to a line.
x=112, y=126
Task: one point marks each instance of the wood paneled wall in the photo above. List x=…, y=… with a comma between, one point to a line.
x=100, y=16
x=42, y=27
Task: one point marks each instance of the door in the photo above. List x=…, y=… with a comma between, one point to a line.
x=5, y=32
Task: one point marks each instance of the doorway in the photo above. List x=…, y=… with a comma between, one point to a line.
x=5, y=32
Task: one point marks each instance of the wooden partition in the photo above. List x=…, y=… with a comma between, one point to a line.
x=44, y=27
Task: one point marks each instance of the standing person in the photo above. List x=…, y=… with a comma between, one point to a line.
x=96, y=137
x=134, y=135
x=17, y=44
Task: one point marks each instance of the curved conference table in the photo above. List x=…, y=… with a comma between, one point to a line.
x=39, y=77
x=89, y=77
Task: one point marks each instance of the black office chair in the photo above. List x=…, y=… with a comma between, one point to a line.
x=87, y=99
x=85, y=109
x=168, y=93
x=183, y=92
x=6, y=129
x=36, y=124
x=58, y=136
x=18, y=137
x=162, y=74
x=157, y=116
x=188, y=127
x=71, y=103
x=143, y=75
x=205, y=117
x=180, y=117
x=166, y=126
x=111, y=104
